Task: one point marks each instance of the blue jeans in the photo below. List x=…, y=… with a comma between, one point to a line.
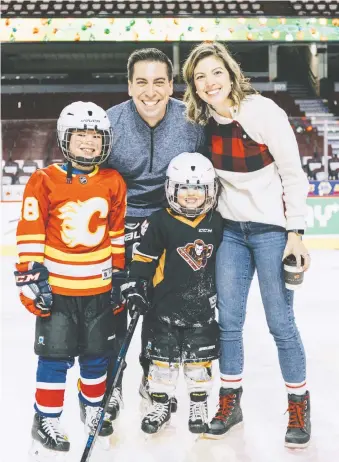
x=247, y=246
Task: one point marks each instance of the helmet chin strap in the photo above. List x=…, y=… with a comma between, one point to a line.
x=81, y=162
x=85, y=162
x=192, y=213
x=69, y=172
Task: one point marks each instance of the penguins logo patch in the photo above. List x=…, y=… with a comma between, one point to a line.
x=196, y=253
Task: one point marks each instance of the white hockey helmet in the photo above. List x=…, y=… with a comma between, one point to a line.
x=84, y=116
x=191, y=169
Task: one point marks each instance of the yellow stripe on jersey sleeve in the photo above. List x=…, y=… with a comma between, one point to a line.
x=77, y=257
x=31, y=237
x=117, y=233
x=26, y=258
x=118, y=250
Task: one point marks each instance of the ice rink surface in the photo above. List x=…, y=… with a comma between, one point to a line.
x=264, y=402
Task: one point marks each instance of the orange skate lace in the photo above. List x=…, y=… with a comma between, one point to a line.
x=296, y=411
x=225, y=406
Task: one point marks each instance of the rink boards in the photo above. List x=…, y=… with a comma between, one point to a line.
x=322, y=224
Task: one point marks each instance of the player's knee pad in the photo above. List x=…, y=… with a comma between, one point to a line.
x=163, y=377
x=198, y=376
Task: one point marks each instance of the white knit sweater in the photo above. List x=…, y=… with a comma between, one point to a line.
x=260, y=196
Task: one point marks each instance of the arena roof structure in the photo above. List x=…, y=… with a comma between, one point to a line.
x=169, y=8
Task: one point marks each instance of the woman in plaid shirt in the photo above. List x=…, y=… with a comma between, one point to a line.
x=263, y=203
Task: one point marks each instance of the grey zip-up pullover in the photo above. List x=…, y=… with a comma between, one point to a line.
x=141, y=154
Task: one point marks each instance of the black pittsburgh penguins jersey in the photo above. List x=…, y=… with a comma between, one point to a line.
x=179, y=254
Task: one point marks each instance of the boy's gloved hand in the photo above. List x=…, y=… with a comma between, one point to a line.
x=34, y=291
x=135, y=293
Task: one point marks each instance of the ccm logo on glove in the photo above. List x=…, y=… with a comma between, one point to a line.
x=26, y=278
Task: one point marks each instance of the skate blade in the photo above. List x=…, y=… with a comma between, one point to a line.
x=210, y=436
x=195, y=436
x=38, y=453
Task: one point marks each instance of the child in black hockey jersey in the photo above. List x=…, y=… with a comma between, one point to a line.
x=176, y=258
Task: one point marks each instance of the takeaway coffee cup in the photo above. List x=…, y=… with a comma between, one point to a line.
x=293, y=275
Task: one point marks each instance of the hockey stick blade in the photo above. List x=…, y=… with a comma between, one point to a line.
x=97, y=424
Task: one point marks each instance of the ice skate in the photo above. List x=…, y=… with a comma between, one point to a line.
x=198, y=419
x=158, y=415
x=115, y=404
x=298, y=433
x=49, y=440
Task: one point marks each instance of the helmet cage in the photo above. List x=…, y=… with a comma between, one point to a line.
x=211, y=191
x=65, y=135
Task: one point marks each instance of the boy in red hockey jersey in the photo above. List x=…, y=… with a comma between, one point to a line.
x=69, y=239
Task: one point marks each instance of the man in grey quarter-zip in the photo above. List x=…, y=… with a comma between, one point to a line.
x=148, y=131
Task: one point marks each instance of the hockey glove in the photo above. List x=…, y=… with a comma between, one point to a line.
x=34, y=290
x=117, y=302
x=135, y=293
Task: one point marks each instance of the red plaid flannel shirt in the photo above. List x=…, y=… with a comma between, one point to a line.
x=233, y=150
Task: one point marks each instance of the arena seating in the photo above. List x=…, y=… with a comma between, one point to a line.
x=286, y=102
x=49, y=106
x=30, y=144
x=333, y=168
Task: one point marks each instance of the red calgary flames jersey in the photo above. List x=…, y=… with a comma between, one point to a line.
x=76, y=229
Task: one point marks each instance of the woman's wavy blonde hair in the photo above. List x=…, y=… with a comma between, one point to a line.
x=196, y=109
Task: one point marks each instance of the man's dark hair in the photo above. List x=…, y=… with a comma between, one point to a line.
x=150, y=55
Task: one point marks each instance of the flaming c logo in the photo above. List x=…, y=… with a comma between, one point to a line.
x=76, y=217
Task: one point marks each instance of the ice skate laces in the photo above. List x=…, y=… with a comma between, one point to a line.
x=198, y=411
x=226, y=405
x=51, y=426
x=297, y=412
x=159, y=412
